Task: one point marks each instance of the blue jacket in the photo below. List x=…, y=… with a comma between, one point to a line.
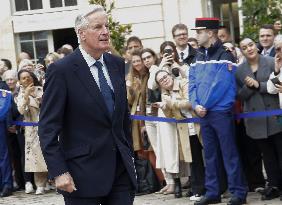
x=211, y=79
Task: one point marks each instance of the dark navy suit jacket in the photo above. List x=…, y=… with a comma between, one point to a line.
x=74, y=111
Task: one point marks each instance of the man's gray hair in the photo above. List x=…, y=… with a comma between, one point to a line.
x=278, y=39
x=81, y=21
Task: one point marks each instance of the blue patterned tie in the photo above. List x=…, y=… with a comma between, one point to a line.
x=105, y=88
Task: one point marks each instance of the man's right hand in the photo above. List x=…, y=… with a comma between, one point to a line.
x=200, y=110
x=65, y=183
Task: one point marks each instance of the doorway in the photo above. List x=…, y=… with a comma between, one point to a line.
x=228, y=12
x=64, y=36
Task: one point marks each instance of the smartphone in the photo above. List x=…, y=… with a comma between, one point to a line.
x=168, y=51
x=275, y=81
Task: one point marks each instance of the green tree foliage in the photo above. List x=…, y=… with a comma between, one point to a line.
x=257, y=13
x=117, y=30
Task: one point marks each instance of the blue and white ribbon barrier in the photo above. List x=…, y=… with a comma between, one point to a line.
x=187, y=120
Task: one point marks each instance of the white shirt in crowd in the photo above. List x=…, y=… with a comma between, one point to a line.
x=267, y=52
x=185, y=53
x=271, y=87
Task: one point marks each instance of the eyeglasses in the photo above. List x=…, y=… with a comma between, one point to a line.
x=162, y=79
x=181, y=34
x=147, y=57
x=278, y=49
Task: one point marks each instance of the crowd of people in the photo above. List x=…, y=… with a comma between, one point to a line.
x=160, y=84
x=22, y=162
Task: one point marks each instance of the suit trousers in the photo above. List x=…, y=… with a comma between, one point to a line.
x=219, y=140
x=272, y=158
x=122, y=192
x=15, y=156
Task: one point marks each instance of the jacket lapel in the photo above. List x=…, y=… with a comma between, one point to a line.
x=84, y=75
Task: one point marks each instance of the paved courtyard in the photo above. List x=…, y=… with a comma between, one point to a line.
x=51, y=198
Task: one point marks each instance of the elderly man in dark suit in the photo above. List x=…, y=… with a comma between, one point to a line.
x=84, y=121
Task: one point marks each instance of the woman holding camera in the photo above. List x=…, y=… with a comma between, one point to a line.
x=252, y=77
x=169, y=62
x=167, y=157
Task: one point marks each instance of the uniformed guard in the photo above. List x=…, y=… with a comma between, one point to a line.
x=212, y=91
x=6, y=182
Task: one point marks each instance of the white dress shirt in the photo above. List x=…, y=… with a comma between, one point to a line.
x=271, y=89
x=93, y=69
x=267, y=52
x=185, y=52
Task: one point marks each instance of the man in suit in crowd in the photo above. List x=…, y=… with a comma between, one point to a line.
x=84, y=120
x=133, y=43
x=266, y=40
x=185, y=51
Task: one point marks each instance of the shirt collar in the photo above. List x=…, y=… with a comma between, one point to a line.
x=88, y=58
x=267, y=52
x=185, y=51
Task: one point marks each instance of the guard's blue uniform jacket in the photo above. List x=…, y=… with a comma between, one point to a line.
x=214, y=87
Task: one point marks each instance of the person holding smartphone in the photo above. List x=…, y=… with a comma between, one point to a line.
x=274, y=84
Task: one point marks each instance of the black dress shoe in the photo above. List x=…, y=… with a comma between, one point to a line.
x=6, y=192
x=236, y=201
x=206, y=201
x=177, y=188
x=270, y=193
x=189, y=193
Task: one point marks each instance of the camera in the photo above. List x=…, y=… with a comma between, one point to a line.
x=175, y=71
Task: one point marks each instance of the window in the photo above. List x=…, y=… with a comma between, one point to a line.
x=61, y=3
x=34, y=43
x=24, y=5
